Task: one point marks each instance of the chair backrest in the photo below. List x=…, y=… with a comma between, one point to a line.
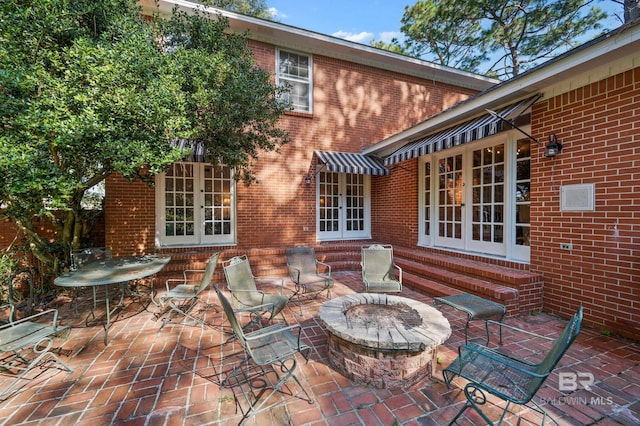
x=209, y=270
x=301, y=258
x=237, y=271
x=228, y=311
x=83, y=256
x=377, y=262
x=561, y=345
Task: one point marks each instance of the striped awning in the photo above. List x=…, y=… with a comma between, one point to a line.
x=349, y=162
x=198, y=151
x=479, y=128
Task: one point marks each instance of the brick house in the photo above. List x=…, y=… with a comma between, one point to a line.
x=393, y=149
x=486, y=191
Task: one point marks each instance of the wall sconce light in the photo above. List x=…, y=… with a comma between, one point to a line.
x=307, y=179
x=553, y=147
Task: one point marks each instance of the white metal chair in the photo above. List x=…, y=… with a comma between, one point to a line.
x=246, y=297
x=269, y=351
x=182, y=298
x=379, y=273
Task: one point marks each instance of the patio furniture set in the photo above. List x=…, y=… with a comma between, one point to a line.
x=371, y=326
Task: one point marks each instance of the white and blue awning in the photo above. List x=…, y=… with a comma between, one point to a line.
x=479, y=128
x=350, y=162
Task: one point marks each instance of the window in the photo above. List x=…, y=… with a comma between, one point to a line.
x=194, y=205
x=294, y=71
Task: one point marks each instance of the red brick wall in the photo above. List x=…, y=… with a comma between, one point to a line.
x=599, y=128
x=129, y=217
x=395, y=211
x=353, y=106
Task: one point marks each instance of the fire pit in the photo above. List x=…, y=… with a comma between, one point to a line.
x=382, y=340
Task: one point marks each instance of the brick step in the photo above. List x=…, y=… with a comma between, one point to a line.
x=511, y=277
x=431, y=271
x=462, y=282
x=427, y=286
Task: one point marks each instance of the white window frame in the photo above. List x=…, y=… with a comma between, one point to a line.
x=512, y=251
x=342, y=233
x=283, y=78
x=199, y=238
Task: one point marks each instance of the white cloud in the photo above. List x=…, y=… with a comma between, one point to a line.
x=361, y=37
x=387, y=36
x=275, y=13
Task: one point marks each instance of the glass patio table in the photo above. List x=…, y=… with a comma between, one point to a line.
x=112, y=271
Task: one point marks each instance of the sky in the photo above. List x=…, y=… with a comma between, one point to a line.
x=354, y=20
x=358, y=20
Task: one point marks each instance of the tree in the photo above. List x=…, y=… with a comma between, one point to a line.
x=89, y=88
x=630, y=10
x=257, y=8
x=513, y=35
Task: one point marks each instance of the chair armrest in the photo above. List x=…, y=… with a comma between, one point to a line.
x=273, y=330
x=179, y=281
x=294, y=274
x=325, y=265
x=498, y=357
x=500, y=324
x=54, y=321
x=263, y=307
x=12, y=311
x=399, y=277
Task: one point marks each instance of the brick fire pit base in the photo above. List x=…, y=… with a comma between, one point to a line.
x=382, y=340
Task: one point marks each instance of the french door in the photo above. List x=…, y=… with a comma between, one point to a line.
x=195, y=205
x=343, y=206
x=476, y=198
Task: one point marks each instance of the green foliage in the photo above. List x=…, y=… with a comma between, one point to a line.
x=503, y=37
x=257, y=8
x=89, y=88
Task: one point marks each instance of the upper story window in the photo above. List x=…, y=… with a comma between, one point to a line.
x=294, y=69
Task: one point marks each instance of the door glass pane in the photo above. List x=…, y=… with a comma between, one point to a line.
x=427, y=198
x=488, y=194
x=354, y=200
x=179, y=218
x=523, y=187
x=329, y=194
x=450, y=196
x=217, y=201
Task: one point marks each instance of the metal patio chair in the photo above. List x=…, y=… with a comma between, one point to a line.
x=379, y=271
x=26, y=344
x=269, y=353
x=245, y=296
x=511, y=379
x=309, y=275
x=181, y=299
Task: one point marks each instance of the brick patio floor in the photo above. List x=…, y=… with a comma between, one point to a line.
x=172, y=377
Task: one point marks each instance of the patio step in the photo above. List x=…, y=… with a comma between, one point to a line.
x=430, y=271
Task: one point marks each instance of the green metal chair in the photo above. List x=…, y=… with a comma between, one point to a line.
x=245, y=296
x=26, y=344
x=379, y=273
x=511, y=379
x=181, y=299
x=269, y=352
x=309, y=275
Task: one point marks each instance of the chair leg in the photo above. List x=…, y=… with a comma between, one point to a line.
x=475, y=397
x=39, y=360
